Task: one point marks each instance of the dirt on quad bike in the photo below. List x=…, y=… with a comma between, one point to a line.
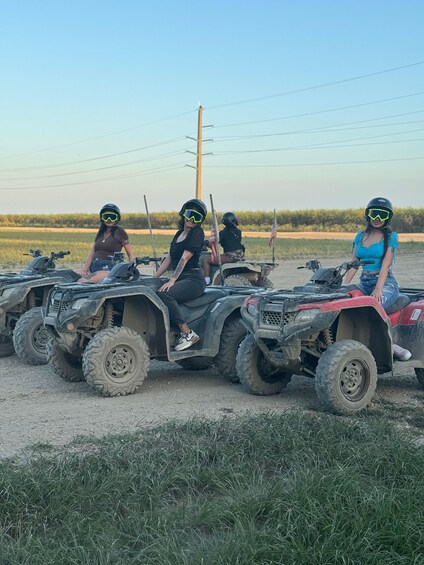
x=107, y=333
x=333, y=333
x=22, y=295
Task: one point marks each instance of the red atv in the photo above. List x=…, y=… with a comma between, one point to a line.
x=331, y=332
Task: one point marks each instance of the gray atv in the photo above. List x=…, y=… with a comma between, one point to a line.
x=22, y=295
x=107, y=333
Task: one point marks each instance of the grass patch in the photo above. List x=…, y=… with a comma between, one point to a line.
x=269, y=489
x=13, y=245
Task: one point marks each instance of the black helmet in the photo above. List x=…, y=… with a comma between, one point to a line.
x=111, y=208
x=229, y=219
x=194, y=204
x=380, y=203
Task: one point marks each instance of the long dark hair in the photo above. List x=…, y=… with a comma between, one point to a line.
x=103, y=228
x=387, y=230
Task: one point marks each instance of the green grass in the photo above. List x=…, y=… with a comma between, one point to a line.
x=14, y=244
x=268, y=489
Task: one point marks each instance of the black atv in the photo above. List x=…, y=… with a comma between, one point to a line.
x=107, y=333
x=21, y=297
x=331, y=332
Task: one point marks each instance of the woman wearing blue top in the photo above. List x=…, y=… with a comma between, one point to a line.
x=378, y=243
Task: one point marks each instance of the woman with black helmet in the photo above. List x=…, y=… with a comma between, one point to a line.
x=186, y=282
x=230, y=239
x=378, y=243
x=109, y=239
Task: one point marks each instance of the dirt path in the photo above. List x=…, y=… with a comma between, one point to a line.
x=36, y=406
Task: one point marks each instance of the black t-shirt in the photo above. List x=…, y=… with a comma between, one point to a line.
x=230, y=239
x=193, y=243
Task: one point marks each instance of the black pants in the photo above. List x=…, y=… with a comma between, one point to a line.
x=189, y=285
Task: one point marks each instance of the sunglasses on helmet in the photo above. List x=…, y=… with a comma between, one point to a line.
x=109, y=217
x=378, y=214
x=193, y=216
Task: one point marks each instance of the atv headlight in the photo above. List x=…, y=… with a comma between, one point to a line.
x=6, y=292
x=251, y=305
x=307, y=315
x=78, y=303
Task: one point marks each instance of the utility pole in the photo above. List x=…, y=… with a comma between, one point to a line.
x=199, y=153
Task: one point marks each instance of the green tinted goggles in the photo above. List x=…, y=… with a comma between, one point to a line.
x=193, y=216
x=109, y=217
x=377, y=214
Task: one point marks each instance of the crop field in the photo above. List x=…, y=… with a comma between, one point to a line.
x=14, y=244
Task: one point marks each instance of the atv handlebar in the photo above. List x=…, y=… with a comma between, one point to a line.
x=59, y=254
x=147, y=260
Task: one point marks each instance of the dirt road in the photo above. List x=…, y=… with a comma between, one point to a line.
x=37, y=407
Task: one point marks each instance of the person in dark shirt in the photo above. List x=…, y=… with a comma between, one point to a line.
x=186, y=282
x=109, y=239
x=230, y=239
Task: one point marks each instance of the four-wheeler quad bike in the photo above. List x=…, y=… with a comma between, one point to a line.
x=21, y=297
x=241, y=273
x=107, y=333
x=331, y=332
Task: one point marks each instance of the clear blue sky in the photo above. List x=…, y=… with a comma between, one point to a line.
x=97, y=99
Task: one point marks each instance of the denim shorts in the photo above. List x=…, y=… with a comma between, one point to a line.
x=101, y=265
x=390, y=292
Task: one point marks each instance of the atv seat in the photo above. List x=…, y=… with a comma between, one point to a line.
x=401, y=301
x=209, y=296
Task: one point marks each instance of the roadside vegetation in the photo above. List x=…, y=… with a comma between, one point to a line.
x=292, y=488
x=406, y=220
x=14, y=244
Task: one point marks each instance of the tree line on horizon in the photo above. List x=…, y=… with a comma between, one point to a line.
x=406, y=220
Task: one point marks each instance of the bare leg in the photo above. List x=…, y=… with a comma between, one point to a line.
x=94, y=278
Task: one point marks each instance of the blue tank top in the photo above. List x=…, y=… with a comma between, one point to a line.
x=374, y=251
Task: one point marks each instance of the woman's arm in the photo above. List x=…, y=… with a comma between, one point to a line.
x=186, y=256
x=385, y=266
x=351, y=272
x=129, y=251
x=86, y=268
x=164, y=266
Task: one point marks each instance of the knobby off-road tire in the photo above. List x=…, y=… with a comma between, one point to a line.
x=116, y=361
x=30, y=338
x=420, y=375
x=6, y=346
x=237, y=280
x=346, y=377
x=256, y=374
x=233, y=333
x=196, y=363
x=63, y=364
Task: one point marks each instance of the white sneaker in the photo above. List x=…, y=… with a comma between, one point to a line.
x=186, y=340
x=400, y=353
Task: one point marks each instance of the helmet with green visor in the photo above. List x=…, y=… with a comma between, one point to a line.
x=379, y=208
x=110, y=213
x=194, y=210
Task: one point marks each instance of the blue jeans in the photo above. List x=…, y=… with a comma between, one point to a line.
x=390, y=292
x=101, y=265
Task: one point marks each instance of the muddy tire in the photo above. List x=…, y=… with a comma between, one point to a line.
x=346, y=377
x=30, y=338
x=237, y=280
x=6, y=346
x=116, y=361
x=233, y=333
x=196, y=363
x=68, y=367
x=256, y=375
x=420, y=375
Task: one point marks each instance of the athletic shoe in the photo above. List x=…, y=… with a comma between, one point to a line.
x=400, y=353
x=186, y=340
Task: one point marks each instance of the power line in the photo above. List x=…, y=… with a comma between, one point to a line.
x=334, y=109
x=97, y=137
x=315, y=164
x=317, y=86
